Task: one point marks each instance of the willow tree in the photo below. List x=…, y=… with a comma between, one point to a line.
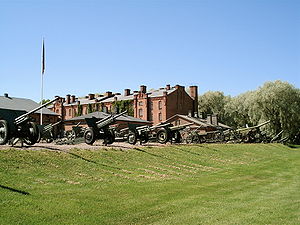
x=237, y=110
x=279, y=102
x=213, y=102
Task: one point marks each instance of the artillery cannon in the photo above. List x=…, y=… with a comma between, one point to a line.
x=46, y=132
x=251, y=134
x=162, y=133
x=100, y=129
x=17, y=125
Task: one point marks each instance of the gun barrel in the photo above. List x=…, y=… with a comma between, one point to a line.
x=20, y=118
x=108, y=120
x=56, y=123
x=160, y=125
x=180, y=127
x=257, y=126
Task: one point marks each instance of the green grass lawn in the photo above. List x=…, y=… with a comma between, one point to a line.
x=198, y=184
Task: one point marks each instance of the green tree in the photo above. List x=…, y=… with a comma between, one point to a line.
x=279, y=102
x=237, y=110
x=213, y=102
x=44, y=101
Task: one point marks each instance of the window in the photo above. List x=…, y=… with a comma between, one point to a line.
x=151, y=116
x=57, y=111
x=140, y=103
x=177, y=122
x=159, y=116
x=159, y=105
x=70, y=112
x=140, y=112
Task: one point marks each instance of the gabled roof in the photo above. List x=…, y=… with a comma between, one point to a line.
x=200, y=122
x=102, y=115
x=22, y=104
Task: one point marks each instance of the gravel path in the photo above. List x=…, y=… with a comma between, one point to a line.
x=95, y=146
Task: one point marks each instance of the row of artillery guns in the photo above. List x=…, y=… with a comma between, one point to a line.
x=18, y=126
x=243, y=135
x=102, y=129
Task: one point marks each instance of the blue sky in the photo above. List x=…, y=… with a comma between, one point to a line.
x=95, y=46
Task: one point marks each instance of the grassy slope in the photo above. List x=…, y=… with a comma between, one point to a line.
x=202, y=184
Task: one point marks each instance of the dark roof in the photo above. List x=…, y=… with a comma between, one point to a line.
x=101, y=115
x=151, y=94
x=22, y=104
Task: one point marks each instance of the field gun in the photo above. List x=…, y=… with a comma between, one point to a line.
x=99, y=129
x=46, y=132
x=18, y=125
x=251, y=134
x=145, y=133
x=162, y=133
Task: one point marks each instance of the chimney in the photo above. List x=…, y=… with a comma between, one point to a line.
x=126, y=92
x=190, y=113
x=214, y=119
x=91, y=96
x=196, y=115
x=108, y=94
x=209, y=119
x=194, y=92
x=178, y=86
x=143, y=89
x=73, y=99
x=5, y=95
x=68, y=99
x=194, y=96
x=168, y=87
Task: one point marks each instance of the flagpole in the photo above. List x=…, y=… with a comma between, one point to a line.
x=42, y=78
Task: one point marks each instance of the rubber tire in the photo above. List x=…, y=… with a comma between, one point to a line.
x=34, y=134
x=89, y=136
x=110, y=138
x=144, y=138
x=162, y=136
x=177, y=137
x=5, y=136
x=132, y=138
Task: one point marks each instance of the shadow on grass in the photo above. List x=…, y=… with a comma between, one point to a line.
x=15, y=190
x=73, y=154
x=183, y=150
x=149, y=153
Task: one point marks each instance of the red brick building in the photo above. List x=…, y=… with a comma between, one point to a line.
x=153, y=105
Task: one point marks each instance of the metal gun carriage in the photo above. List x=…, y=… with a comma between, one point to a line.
x=251, y=134
x=46, y=132
x=100, y=129
x=16, y=124
x=161, y=133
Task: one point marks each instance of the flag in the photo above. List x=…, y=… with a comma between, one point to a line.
x=43, y=58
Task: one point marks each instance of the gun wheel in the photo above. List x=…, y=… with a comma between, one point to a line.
x=132, y=138
x=110, y=138
x=33, y=134
x=177, y=137
x=3, y=132
x=162, y=136
x=89, y=136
